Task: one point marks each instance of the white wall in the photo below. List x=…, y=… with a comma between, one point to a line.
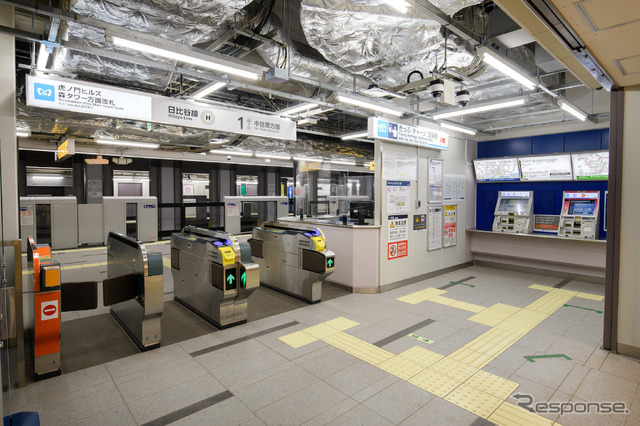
x=420, y=261
x=629, y=298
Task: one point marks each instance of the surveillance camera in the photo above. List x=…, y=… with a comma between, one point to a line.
x=436, y=88
x=228, y=157
x=462, y=98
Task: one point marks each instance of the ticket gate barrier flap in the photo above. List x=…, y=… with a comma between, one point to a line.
x=79, y=296
x=140, y=315
x=46, y=339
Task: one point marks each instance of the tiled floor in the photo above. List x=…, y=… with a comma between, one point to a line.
x=362, y=369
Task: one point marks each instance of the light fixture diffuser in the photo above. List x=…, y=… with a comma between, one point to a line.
x=460, y=129
x=205, y=63
x=274, y=156
x=401, y=6
x=354, y=135
x=209, y=89
x=346, y=163
x=22, y=134
x=573, y=110
x=314, y=160
x=368, y=105
x=480, y=108
x=297, y=108
x=510, y=70
x=238, y=153
x=132, y=144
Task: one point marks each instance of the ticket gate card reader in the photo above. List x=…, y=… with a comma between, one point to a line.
x=514, y=212
x=579, y=216
x=213, y=275
x=293, y=258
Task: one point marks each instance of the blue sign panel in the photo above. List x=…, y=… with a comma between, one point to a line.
x=44, y=92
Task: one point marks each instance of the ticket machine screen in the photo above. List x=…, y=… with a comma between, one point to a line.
x=582, y=207
x=513, y=205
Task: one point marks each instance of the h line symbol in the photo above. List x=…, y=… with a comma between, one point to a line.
x=207, y=117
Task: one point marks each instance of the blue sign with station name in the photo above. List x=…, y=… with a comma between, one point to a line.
x=44, y=92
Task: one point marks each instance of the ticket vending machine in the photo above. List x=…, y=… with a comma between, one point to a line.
x=514, y=212
x=579, y=216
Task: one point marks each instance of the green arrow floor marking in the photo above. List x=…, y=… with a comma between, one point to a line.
x=422, y=339
x=586, y=309
x=456, y=282
x=531, y=358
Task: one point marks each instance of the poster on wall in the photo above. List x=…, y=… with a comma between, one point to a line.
x=397, y=250
x=187, y=189
x=450, y=225
x=453, y=187
x=398, y=227
x=435, y=180
x=419, y=222
x=399, y=166
x=548, y=167
x=398, y=196
x=434, y=234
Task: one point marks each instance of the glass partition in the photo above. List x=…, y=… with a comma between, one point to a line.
x=334, y=195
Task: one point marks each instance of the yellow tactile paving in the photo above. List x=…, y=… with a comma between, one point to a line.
x=341, y=323
x=508, y=414
x=492, y=384
x=541, y=287
x=435, y=383
x=474, y=400
x=590, y=296
x=401, y=367
x=457, y=377
x=421, y=356
x=421, y=296
x=454, y=369
x=166, y=262
x=298, y=339
x=320, y=331
x=495, y=314
x=368, y=353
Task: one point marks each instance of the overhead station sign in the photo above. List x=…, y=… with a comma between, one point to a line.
x=70, y=95
x=407, y=134
x=87, y=98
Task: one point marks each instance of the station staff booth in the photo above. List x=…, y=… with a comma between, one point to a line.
x=50, y=220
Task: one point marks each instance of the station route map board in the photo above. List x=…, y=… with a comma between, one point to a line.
x=497, y=170
x=591, y=165
x=545, y=168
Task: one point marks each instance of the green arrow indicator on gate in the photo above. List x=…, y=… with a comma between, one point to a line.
x=243, y=279
x=230, y=279
x=329, y=263
x=531, y=358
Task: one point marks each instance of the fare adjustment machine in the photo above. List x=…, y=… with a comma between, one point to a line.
x=579, y=216
x=514, y=212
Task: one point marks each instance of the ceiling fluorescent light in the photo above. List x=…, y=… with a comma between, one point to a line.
x=47, y=177
x=205, y=63
x=573, y=110
x=117, y=142
x=237, y=153
x=209, y=89
x=480, y=108
x=274, y=157
x=355, y=135
x=508, y=69
x=401, y=6
x=43, y=57
x=346, y=163
x=314, y=160
x=460, y=129
x=22, y=134
x=298, y=108
x=368, y=105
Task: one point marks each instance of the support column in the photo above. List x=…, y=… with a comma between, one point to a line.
x=107, y=180
x=22, y=173
x=9, y=163
x=78, y=178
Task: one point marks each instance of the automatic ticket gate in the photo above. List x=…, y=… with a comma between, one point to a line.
x=135, y=289
x=293, y=258
x=213, y=275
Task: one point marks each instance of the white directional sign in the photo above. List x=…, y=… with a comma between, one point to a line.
x=407, y=134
